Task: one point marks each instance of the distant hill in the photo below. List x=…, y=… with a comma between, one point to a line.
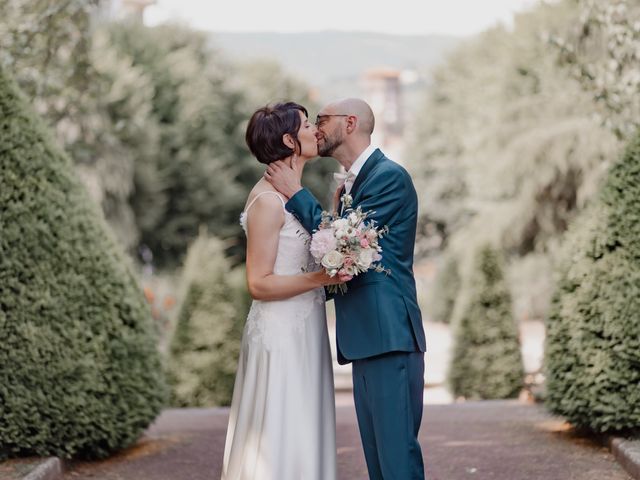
x=333, y=61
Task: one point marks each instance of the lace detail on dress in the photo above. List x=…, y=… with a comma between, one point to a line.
x=276, y=325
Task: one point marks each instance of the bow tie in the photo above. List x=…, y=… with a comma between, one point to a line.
x=344, y=177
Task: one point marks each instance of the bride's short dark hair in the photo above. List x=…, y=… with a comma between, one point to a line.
x=267, y=126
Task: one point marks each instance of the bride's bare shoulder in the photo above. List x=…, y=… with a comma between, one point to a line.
x=257, y=191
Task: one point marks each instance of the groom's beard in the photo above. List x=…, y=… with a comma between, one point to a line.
x=329, y=146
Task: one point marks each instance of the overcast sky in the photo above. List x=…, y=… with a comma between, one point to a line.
x=456, y=17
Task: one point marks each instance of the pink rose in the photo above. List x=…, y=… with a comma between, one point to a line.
x=322, y=242
x=348, y=261
x=364, y=243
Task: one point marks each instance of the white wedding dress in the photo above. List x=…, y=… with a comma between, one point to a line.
x=282, y=417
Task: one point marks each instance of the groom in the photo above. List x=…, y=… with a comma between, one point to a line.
x=378, y=324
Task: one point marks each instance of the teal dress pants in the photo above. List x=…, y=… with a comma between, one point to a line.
x=388, y=394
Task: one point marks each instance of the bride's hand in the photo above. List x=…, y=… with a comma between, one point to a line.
x=325, y=279
x=284, y=178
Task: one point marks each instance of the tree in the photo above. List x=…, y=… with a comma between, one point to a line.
x=526, y=146
x=110, y=133
x=196, y=116
x=602, y=52
x=486, y=362
x=94, y=100
x=153, y=119
x=79, y=371
x=201, y=104
x=506, y=148
x=445, y=291
x=592, y=351
x=46, y=44
x=206, y=344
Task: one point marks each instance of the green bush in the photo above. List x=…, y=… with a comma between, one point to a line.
x=592, y=357
x=486, y=361
x=445, y=290
x=79, y=371
x=206, y=343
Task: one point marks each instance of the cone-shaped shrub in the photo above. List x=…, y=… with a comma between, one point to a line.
x=79, y=370
x=486, y=361
x=206, y=343
x=592, y=357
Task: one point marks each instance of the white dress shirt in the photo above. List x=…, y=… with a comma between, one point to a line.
x=357, y=166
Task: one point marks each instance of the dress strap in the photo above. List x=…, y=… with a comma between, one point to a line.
x=262, y=193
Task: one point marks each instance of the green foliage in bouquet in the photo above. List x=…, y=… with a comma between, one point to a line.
x=79, y=371
x=206, y=343
x=592, y=357
x=486, y=363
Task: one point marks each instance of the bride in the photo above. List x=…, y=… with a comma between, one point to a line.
x=282, y=417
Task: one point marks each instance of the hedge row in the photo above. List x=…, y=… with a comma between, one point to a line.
x=79, y=371
x=592, y=358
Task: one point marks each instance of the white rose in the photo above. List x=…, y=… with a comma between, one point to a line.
x=353, y=218
x=365, y=258
x=332, y=260
x=340, y=224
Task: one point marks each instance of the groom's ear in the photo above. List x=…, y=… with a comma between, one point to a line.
x=287, y=139
x=352, y=123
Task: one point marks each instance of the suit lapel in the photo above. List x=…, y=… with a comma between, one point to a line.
x=375, y=158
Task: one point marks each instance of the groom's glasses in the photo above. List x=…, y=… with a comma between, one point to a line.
x=321, y=118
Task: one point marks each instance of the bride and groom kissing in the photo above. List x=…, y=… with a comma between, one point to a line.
x=282, y=417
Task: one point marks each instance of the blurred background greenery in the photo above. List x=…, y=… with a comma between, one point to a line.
x=508, y=135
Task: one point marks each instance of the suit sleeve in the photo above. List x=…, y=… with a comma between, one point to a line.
x=304, y=206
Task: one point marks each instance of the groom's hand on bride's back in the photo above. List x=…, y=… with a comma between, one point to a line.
x=284, y=178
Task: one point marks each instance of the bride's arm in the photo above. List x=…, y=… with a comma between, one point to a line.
x=264, y=221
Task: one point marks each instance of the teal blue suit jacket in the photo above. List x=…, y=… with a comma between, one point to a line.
x=379, y=313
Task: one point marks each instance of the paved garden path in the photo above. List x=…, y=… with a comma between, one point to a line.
x=483, y=441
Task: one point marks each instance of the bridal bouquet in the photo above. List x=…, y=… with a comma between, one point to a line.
x=348, y=245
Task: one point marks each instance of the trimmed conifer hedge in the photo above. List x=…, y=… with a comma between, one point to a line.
x=79, y=370
x=206, y=343
x=486, y=360
x=592, y=355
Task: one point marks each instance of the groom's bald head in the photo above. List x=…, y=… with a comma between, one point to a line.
x=359, y=109
x=344, y=129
